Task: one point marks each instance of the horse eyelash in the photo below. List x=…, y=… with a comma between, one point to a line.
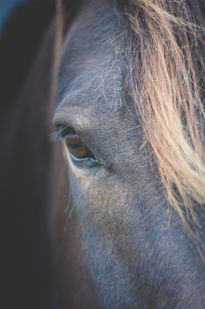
x=60, y=129
x=57, y=133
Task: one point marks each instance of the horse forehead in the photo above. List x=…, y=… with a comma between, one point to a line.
x=95, y=21
x=90, y=61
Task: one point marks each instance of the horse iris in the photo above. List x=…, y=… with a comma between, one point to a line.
x=76, y=147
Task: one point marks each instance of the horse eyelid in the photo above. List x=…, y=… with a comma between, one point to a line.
x=60, y=133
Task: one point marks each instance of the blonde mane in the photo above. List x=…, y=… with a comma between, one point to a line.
x=167, y=72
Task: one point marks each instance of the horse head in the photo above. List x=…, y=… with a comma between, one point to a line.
x=130, y=117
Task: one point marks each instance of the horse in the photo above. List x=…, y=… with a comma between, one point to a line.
x=130, y=118
x=110, y=215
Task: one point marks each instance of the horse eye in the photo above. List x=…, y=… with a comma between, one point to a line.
x=79, y=152
x=77, y=148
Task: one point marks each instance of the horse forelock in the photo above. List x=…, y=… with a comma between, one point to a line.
x=164, y=76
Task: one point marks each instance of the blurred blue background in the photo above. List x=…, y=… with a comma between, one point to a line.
x=6, y=8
